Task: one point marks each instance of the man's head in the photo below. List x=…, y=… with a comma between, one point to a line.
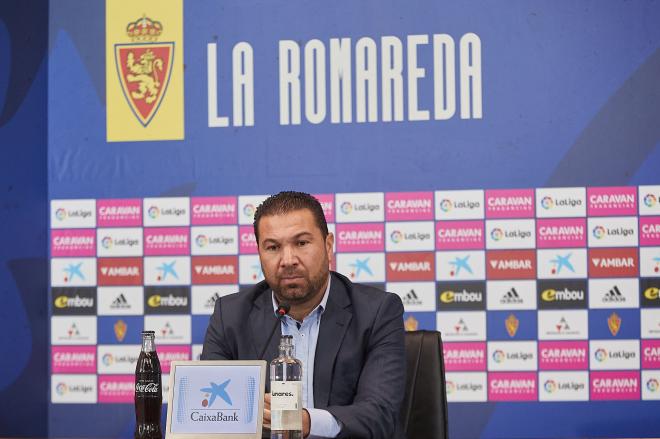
x=286, y=202
x=295, y=247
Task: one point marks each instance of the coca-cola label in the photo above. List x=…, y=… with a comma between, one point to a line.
x=147, y=388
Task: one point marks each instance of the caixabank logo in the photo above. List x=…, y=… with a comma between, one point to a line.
x=144, y=70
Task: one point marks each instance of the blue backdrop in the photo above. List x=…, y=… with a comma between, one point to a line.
x=570, y=98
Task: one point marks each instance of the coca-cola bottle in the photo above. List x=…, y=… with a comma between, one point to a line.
x=148, y=393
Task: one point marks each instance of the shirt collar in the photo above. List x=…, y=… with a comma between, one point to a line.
x=320, y=307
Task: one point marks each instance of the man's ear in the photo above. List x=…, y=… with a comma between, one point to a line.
x=329, y=245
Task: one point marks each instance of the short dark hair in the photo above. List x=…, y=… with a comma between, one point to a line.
x=288, y=201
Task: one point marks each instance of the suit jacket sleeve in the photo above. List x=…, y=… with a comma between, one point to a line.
x=374, y=411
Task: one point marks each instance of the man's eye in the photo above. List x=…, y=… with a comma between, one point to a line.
x=302, y=243
x=271, y=248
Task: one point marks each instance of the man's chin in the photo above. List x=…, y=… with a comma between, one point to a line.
x=292, y=295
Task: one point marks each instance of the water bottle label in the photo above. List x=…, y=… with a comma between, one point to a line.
x=285, y=395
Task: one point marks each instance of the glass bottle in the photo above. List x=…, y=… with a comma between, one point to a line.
x=286, y=393
x=148, y=390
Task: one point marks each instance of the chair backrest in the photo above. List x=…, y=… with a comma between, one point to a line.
x=424, y=410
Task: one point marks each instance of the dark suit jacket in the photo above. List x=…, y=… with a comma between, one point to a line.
x=359, y=368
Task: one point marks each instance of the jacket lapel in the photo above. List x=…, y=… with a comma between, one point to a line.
x=260, y=322
x=334, y=323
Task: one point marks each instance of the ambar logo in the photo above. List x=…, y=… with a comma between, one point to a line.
x=562, y=294
x=215, y=269
x=622, y=262
x=410, y=266
x=511, y=264
x=120, y=271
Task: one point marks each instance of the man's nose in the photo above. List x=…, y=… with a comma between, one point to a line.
x=289, y=256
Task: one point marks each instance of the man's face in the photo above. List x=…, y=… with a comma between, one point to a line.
x=294, y=256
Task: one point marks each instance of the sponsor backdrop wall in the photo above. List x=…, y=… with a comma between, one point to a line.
x=493, y=164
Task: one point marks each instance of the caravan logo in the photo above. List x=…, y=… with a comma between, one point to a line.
x=403, y=206
x=510, y=203
x=119, y=213
x=612, y=201
x=213, y=210
x=563, y=355
x=560, y=233
x=459, y=235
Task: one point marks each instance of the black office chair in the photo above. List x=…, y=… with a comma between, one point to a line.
x=424, y=410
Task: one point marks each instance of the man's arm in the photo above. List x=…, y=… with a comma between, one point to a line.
x=215, y=345
x=375, y=408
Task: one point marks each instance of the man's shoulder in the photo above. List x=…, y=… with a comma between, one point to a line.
x=364, y=293
x=245, y=297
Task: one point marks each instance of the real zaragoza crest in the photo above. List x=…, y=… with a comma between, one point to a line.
x=144, y=67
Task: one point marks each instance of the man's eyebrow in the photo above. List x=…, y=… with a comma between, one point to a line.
x=301, y=234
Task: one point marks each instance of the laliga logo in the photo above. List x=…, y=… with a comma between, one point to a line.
x=60, y=214
x=248, y=210
x=547, y=203
x=346, y=207
x=108, y=359
x=214, y=390
x=497, y=234
x=550, y=386
x=201, y=240
x=445, y=205
x=498, y=356
x=153, y=212
x=61, y=389
x=396, y=237
x=601, y=355
x=599, y=232
x=106, y=242
x=652, y=385
x=451, y=387
x=649, y=200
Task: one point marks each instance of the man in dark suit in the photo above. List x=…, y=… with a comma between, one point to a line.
x=350, y=336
